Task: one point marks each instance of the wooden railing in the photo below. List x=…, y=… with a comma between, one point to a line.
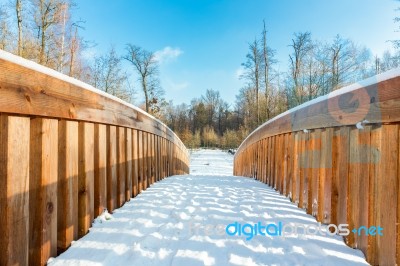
x=338, y=157
x=67, y=152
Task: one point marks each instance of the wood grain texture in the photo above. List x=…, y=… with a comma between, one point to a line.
x=111, y=168
x=152, y=159
x=340, y=180
x=67, y=200
x=121, y=166
x=135, y=158
x=14, y=190
x=325, y=177
x=43, y=170
x=384, y=157
x=100, y=168
x=141, y=161
x=86, y=177
x=296, y=168
x=146, y=160
x=359, y=170
x=128, y=164
x=314, y=154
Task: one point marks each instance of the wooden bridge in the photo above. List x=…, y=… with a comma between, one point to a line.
x=68, y=151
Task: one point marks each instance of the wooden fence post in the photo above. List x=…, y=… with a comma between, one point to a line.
x=100, y=169
x=43, y=170
x=86, y=177
x=111, y=168
x=67, y=198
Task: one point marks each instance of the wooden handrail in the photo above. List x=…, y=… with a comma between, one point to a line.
x=337, y=156
x=67, y=152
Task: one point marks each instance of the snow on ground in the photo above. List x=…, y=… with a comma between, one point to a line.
x=211, y=162
x=181, y=220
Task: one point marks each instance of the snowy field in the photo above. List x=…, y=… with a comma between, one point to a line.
x=178, y=221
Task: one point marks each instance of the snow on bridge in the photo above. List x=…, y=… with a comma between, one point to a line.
x=181, y=220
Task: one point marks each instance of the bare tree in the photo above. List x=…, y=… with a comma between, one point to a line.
x=73, y=49
x=301, y=45
x=18, y=11
x=267, y=62
x=45, y=17
x=349, y=62
x=212, y=101
x=253, y=72
x=145, y=64
x=109, y=76
x=5, y=32
x=63, y=18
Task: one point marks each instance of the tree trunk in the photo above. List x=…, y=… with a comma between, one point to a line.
x=18, y=9
x=146, y=96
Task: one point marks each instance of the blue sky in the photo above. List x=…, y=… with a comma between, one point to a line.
x=202, y=43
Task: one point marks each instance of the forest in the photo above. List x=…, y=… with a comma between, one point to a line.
x=46, y=31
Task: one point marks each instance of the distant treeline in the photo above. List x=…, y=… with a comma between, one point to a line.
x=45, y=31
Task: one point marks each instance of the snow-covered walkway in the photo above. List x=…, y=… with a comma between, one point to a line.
x=181, y=220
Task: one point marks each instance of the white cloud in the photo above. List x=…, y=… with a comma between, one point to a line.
x=167, y=54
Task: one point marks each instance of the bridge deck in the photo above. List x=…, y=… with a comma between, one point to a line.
x=181, y=220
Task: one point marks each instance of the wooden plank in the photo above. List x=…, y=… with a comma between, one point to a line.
x=314, y=164
x=398, y=212
x=129, y=164
x=263, y=160
x=158, y=158
x=141, y=161
x=360, y=151
x=340, y=168
x=146, y=160
x=162, y=170
x=277, y=162
x=121, y=168
x=67, y=198
x=100, y=169
x=289, y=164
x=14, y=190
x=111, y=168
x=285, y=162
x=384, y=157
x=43, y=170
x=325, y=179
x=86, y=177
x=305, y=184
x=169, y=159
x=268, y=160
x=296, y=168
x=152, y=159
x=165, y=158
x=256, y=151
x=258, y=160
x=135, y=159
